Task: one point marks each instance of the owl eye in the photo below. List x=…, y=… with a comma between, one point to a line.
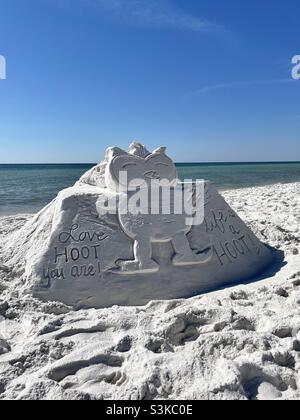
x=161, y=164
x=128, y=164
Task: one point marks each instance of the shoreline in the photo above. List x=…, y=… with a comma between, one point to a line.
x=224, y=191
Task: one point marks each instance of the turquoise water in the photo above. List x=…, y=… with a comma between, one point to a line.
x=28, y=188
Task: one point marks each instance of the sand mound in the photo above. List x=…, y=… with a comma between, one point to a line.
x=104, y=242
x=238, y=343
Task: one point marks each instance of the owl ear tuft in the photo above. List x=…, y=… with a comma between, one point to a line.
x=112, y=152
x=161, y=150
x=138, y=149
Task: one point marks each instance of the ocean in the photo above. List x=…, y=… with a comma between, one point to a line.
x=28, y=188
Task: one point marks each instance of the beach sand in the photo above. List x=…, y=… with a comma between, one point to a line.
x=239, y=343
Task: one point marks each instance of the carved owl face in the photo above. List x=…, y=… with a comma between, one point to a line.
x=139, y=170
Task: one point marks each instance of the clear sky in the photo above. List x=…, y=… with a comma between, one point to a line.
x=210, y=79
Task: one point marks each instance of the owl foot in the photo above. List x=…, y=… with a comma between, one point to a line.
x=133, y=267
x=193, y=258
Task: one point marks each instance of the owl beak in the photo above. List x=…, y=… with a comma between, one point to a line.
x=151, y=175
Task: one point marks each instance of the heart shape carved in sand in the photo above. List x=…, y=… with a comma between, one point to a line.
x=156, y=166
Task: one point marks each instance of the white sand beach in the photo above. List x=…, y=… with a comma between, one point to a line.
x=239, y=343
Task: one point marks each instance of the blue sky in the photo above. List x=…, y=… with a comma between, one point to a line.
x=210, y=79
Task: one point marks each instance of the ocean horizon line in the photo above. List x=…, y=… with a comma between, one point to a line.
x=262, y=162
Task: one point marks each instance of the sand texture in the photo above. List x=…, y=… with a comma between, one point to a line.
x=242, y=342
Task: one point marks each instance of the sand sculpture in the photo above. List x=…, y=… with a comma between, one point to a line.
x=81, y=252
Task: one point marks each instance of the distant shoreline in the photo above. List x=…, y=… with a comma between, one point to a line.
x=281, y=162
x=27, y=188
